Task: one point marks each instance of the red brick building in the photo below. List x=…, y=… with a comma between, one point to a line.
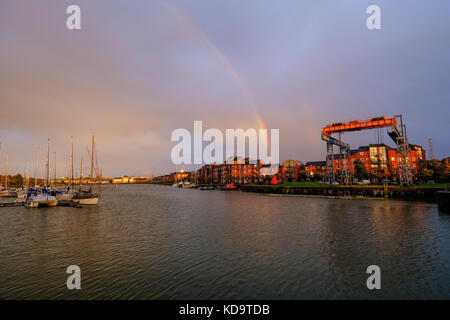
x=316, y=169
x=291, y=171
x=382, y=161
x=235, y=170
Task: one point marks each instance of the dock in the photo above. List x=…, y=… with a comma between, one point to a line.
x=61, y=203
x=10, y=204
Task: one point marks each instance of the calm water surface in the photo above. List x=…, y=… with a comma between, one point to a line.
x=158, y=242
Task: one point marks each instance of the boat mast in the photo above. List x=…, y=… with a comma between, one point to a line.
x=36, y=168
x=26, y=175
x=81, y=172
x=47, y=169
x=92, y=164
x=71, y=163
x=6, y=176
x=0, y=159
x=54, y=169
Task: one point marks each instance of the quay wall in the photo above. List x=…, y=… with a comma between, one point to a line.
x=404, y=193
x=444, y=201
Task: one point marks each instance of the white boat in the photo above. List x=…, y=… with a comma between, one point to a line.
x=64, y=196
x=41, y=199
x=21, y=196
x=44, y=198
x=4, y=191
x=88, y=199
x=22, y=193
x=11, y=193
x=186, y=184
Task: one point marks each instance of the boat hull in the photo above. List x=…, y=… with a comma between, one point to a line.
x=7, y=194
x=87, y=201
x=41, y=200
x=45, y=203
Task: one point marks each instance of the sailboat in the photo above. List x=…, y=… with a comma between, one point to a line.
x=87, y=197
x=22, y=193
x=4, y=189
x=45, y=198
x=68, y=194
x=5, y=192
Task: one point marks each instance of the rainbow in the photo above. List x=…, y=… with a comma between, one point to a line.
x=188, y=23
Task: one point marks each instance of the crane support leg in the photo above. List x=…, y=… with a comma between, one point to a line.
x=330, y=163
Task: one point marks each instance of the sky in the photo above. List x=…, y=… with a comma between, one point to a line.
x=137, y=70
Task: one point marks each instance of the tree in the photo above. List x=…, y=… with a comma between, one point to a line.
x=302, y=176
x=426, y=174
x=360, y=170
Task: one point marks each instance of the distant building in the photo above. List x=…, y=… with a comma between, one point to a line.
x=316, y=169
x=235, y=170
x=291, y=171
x=132, y=179
x=382, y=162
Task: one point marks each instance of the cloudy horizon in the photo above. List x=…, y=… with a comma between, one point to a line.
x=137, y=71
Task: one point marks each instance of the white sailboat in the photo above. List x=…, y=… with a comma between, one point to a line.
x=88, y=197
x=43, y=198
x=22, y=193
x=68, y=195
x=5, y=192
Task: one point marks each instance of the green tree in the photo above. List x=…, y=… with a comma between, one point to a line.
x=302, y=176
x=360, y=170
x=426, y=174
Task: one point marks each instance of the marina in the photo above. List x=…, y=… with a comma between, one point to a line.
x=233, y=154
x=47, y=194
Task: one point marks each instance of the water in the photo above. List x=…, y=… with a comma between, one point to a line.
x=158, y=242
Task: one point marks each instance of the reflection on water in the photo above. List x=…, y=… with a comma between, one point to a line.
x=157, y=242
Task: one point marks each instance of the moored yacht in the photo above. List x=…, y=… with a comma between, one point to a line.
x=66, y=195
x=186, y=184
x=87, y=197
x=4, y=191
x=41, y=199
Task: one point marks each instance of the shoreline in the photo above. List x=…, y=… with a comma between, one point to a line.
x=349, y=192
x=323, y=197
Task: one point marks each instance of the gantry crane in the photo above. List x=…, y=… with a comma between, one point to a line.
x=397, y=134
